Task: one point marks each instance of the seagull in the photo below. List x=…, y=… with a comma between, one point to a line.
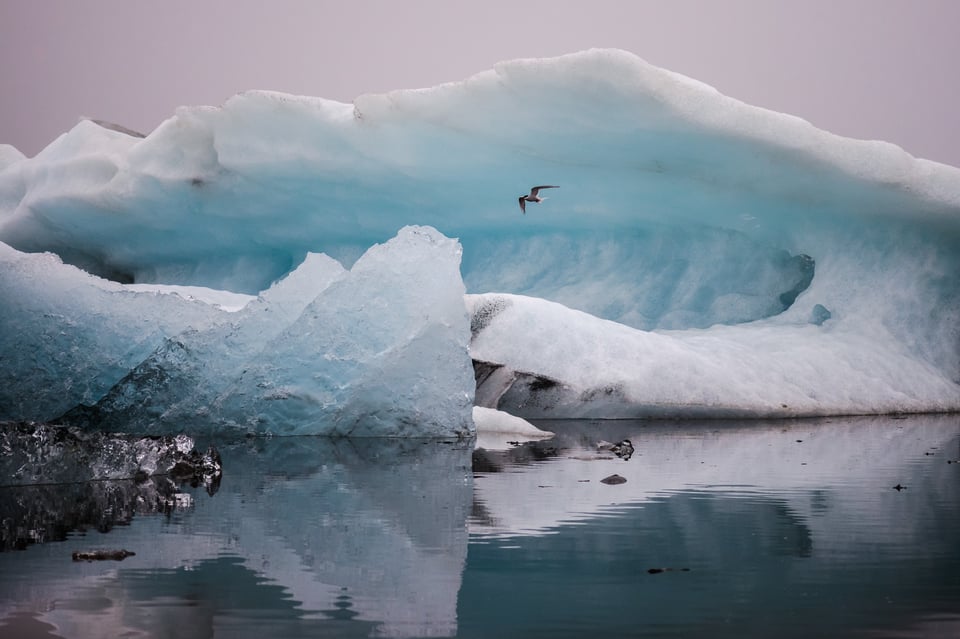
x=533, y=197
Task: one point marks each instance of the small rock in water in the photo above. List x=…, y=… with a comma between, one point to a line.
x=102, y=555
x=656, y=571
x=613, y=480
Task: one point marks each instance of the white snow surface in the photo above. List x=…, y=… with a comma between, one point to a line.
x=763, y=369
x=701, y=257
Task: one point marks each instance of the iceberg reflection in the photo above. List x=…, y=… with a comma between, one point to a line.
x=370, y=535
x=790, y=460
x=721, y=529
x=786, y=529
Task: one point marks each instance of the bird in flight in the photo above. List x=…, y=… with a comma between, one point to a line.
x=534, y=197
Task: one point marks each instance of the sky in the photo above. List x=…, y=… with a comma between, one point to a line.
x=870, y=69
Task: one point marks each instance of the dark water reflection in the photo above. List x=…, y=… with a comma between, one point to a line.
x=776, y=529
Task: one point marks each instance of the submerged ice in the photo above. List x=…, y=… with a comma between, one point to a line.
x=703, y=257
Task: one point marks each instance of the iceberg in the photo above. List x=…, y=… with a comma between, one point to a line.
x=601, y=369
x=702, y=257
x=324, y=351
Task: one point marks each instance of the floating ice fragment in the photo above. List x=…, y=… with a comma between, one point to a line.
x=496, y=429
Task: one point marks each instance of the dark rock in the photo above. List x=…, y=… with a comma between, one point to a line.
x=657, y=571
x=613, y=480
x=102, y=555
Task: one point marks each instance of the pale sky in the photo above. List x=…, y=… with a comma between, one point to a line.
x=873, y=69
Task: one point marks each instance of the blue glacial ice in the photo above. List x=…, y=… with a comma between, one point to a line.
x=701, y=257
x=324, y=350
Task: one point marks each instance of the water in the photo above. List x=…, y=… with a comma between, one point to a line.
x=787, y=529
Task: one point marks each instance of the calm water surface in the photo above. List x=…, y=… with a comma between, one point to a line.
x=787, y=529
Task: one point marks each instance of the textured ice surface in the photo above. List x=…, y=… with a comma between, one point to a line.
x=380, y=352
x=832, y=262
x=66, y=337
x=43, y=454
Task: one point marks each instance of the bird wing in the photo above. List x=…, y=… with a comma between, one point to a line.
x=533, y=191
x=523, y=204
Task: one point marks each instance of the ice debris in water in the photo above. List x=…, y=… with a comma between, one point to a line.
x=58, y=479
x=45, y=454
